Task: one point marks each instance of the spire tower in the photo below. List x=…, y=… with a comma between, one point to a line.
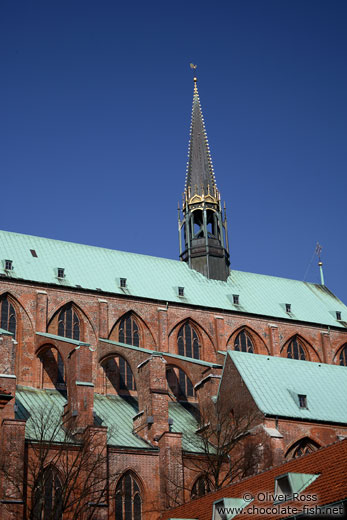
x=202, y=223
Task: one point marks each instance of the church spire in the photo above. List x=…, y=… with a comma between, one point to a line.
x=200, y=178
x=203, y=223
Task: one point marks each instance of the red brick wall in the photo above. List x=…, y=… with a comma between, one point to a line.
x=37, y=309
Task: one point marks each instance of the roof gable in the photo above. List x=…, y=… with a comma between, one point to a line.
x=275, y=384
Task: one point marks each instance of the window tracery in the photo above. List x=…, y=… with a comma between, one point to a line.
x=243, y=342
x=8, y=319
x=69, y=323
x=188, y=341
x=201, y=487
x=128, y=331
x=295, y=350
x=302, y=447
x=128, y=499
x=47, y=496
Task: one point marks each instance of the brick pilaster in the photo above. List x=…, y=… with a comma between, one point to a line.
x=103, y=319
x=274, y=340
x=41, y=311
x=78, y=412
x=171, y=469
x=152, y=421
x=12, y=469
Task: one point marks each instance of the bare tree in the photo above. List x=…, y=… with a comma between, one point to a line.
x=226, y=448
x=228, y=445
x=66, y=471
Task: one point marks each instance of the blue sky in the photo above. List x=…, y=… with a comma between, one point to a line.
x=95, y=111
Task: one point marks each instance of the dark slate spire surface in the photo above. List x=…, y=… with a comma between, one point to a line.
x=200, y=177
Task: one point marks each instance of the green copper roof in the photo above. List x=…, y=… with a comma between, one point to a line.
x=276, y=383
x=40, y=407
x=185, y=422
x=33, y=404
x=42, y=410
x=100, y=269
x=117, y=413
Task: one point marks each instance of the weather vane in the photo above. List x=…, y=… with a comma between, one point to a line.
x=193, y=67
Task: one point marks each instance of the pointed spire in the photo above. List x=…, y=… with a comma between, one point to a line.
x=200, y=178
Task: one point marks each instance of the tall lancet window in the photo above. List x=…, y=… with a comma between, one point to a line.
x=188, y=341
x=128, y=499
x=47, y=496
x=243, y=343
x=295, y=350
x=69, y=323
x=129, y=331
x=7, y=316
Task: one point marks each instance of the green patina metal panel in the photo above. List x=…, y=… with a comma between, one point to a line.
x=42, y=409
x=276, y=382
x=96, y=268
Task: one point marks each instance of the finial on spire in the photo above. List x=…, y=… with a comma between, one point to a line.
x=318, y=251
x=194, y=67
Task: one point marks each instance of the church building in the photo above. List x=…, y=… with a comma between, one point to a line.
x=109, y=362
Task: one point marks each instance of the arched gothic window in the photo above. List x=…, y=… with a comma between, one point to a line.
x=7, y=316
x=47, y=496
x=302, y=447
x=295, y=350
x=128, y=499
x=119, y=373
x=343, y=356
x=188, y=341
x=129, y=331
x=201, y=487
x=69, y=323
x=179, y=383
x=243, y=343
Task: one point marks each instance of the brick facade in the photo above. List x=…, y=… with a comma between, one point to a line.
x=34, y=360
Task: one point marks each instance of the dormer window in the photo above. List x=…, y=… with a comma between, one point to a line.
x=8, y=265
x=236, y=299
x=61, y=272
x=292, y=483
x=283, y=488
x=338, y=315
x=123, y=283
x=302, y=400
x=288, y=307
x=181, y=291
